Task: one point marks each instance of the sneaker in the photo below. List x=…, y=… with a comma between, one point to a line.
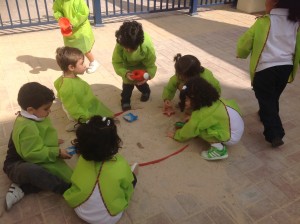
x=71, y=127
x=126, y=106
x=13, y=195
x=276, y=142
x=135, y=168
x=145, y=97
x=215, y=154
x=93, y=67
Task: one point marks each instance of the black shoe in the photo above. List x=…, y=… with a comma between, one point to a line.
x=276, y=142
x=145, y=97
x=126, y=106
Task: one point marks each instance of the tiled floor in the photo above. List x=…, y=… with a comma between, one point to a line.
x=254, y=185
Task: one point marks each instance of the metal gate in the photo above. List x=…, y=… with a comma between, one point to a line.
x=24, y=13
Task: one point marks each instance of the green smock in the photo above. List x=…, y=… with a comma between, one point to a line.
x=142, y=58
x=77, y=12
x=37, y=142
x=79, y=100
x=174, y=84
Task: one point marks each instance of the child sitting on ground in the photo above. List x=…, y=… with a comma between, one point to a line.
x=186, y=67
x=213, y=119
x=102, y=182
x=82, y=36
x=34, y=161
x=134, y=51
x=76, y=95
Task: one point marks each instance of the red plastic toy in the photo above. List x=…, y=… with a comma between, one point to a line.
x=139, y=75
x=65, y=26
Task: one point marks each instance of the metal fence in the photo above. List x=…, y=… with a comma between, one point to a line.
x=24, y=13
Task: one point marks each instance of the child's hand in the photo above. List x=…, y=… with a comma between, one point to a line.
x=142, y=82
x=171, y=134
x=64, y=154
x=60, y=141
x=168, y=109
x=128, y=76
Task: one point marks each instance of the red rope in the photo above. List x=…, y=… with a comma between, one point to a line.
x=161, y=159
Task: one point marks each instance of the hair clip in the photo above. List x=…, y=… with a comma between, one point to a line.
x=108, y=121
x=184, y=87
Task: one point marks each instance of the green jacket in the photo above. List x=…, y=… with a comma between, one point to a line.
x=77, y=12
x=174, y=84
x=212, y=124
x=37, y=142
x=253, y=41
x=143, y=58
x=114, y=178
x=79, y=100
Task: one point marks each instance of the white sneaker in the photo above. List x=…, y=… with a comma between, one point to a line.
x=93, y=67
x=13, y=195
x=135, y=168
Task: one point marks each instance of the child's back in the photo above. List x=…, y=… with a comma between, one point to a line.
x=102, y=183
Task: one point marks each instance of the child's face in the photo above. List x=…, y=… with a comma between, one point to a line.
x=80, y=67
x=41, y=112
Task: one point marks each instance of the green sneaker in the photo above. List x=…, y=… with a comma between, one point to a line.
x=215, y=154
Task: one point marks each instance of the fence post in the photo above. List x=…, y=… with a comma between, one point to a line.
x=193, y=7
x=97, y=13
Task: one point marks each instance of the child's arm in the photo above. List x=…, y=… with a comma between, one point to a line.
x=79, y=14
x=245, y=43
x=72, y=106
x=149, y=62
x=31, y=147
x=57, y=10
x=171, y=88
x=118, y=63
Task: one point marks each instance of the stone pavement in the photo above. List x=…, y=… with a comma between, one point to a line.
x=256, y=184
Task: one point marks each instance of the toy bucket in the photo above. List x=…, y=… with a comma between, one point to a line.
x=65, y=26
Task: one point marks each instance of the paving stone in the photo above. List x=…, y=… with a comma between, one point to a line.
x=261, y=209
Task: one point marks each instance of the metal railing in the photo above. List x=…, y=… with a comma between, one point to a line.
x=24, y=13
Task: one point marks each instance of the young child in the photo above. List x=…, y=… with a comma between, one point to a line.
x=34, y=160
x=213, y=119
x=134, y=50
x=186, y=67
x=76, y=95
x=82, y=36
x=102, y=182
x=274, y=44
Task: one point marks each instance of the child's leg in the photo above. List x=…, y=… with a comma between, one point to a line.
x=94, y=64
x=145, y=90
x=33, y=178
x=126, y=96
x=268, y=85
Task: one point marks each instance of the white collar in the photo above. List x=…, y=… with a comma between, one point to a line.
x=279, y=12
x=24, y=113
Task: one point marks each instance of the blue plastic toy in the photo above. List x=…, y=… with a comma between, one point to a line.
x=71, y=150
x=130, y=117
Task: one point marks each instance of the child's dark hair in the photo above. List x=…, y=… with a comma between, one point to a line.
x=201, y=93
x=293, y=6
x=97, y=140
x=130, y=34
x=66, y=56
x=34, y=94
x=187, y=66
